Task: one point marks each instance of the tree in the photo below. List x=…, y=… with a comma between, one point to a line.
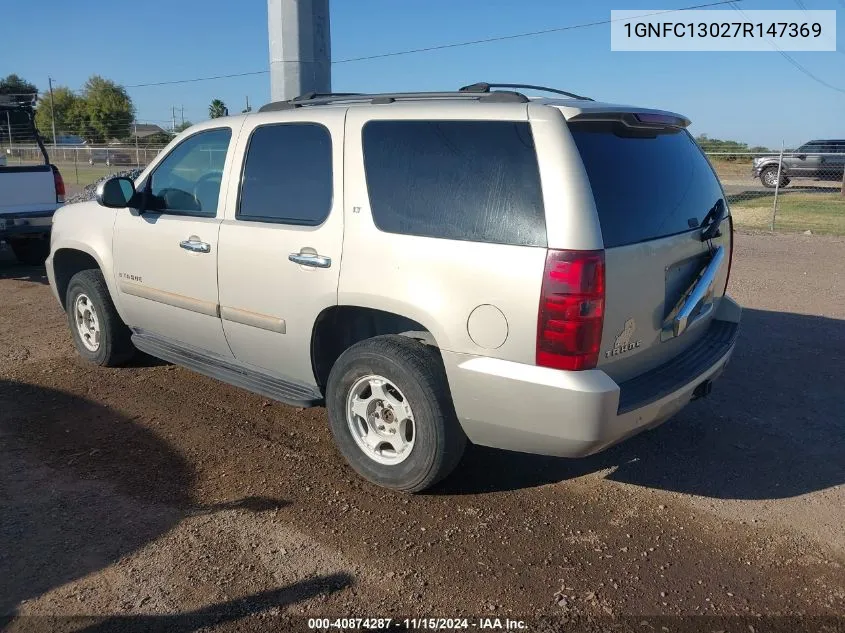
x=109, y=111
x=182, y=127
x=217, y=109
x=22, y=91
x=68, y=109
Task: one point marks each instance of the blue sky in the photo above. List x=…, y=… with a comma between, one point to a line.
x=758, y=98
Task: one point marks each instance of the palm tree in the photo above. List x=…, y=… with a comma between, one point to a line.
x=217, y=109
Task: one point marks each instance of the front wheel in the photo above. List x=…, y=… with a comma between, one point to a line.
x=391, y=413
x=99, y=334
x=769, y=177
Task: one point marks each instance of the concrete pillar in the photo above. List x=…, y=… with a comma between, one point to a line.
x=300, y=47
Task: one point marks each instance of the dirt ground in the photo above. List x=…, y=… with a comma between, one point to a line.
x=151, y=498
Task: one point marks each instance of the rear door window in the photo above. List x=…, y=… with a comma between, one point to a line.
x=287, y=175
x=646, y=184
x=457, y=180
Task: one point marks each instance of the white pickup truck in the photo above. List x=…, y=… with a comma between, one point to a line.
x=29, y=195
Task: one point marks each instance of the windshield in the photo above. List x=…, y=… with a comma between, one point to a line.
x=646, y=183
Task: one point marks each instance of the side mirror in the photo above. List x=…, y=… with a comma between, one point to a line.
x=800, y=156
x=116, y=193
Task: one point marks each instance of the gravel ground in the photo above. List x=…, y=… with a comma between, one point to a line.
x=78, y=193
x=151, y=498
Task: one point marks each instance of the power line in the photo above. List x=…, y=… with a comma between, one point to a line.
x=194, y=79
x=439, y=47
x=792, y=61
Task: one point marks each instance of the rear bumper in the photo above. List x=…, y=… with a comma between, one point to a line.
x=23, y=224
x=572, y=414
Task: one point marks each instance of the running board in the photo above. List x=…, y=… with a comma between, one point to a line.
x=226, y=370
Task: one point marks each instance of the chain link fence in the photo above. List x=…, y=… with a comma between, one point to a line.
x=791, y=191
x=82, y=165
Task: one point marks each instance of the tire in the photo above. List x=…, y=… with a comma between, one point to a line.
x=769, y=177
x=416, y=373
x=87, y=289
x=31, y=251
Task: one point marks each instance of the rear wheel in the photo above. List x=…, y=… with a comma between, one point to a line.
x=769, y=177
x=31, y=251
x=99, y=334
x=391, y=413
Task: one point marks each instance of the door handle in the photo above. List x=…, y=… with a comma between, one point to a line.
x=699, y=296
x=310, y=259
x=195, y=246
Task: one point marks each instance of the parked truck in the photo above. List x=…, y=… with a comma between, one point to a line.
x=29, y=194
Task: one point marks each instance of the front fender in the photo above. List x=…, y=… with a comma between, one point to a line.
x=758, y=169
x=86, y=227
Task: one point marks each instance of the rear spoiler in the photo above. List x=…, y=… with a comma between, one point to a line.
x=636, y=119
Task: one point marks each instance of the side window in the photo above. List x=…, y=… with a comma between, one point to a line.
x=188, y=180
x=287, y=175
x=810, y=148
x=458, y=180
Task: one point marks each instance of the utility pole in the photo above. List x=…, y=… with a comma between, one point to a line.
x=52, y=110
x=173, y=115
x=137, y=152
x=183, y=115
x=248, y=108
x=9, y=127
x=300, y=47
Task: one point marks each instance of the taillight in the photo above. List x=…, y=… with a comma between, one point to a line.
x=60, y=184
x=571, y=315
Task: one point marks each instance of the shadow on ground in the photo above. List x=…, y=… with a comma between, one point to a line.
x=11, y=269
x=120, y=488
x=214, y=616
x=773, y=427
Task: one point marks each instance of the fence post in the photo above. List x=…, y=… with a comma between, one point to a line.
x=842, y=191
x=76, y=163
x=777, y=188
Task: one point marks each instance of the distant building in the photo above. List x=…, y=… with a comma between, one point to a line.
x=146, y=130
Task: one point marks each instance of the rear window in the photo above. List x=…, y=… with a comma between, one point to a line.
x=458, y=180
x=646, y=184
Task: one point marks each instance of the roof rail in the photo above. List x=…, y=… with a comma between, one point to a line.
x=312, y=99
x=485, y=87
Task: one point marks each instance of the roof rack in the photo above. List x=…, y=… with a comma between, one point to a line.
x=312, y=99
x=18, y=102
x=485, y=88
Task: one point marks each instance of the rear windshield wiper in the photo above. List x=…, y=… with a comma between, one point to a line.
x=713, y=220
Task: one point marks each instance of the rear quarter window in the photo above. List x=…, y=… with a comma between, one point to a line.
x=646, y=184
x=458, y=180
